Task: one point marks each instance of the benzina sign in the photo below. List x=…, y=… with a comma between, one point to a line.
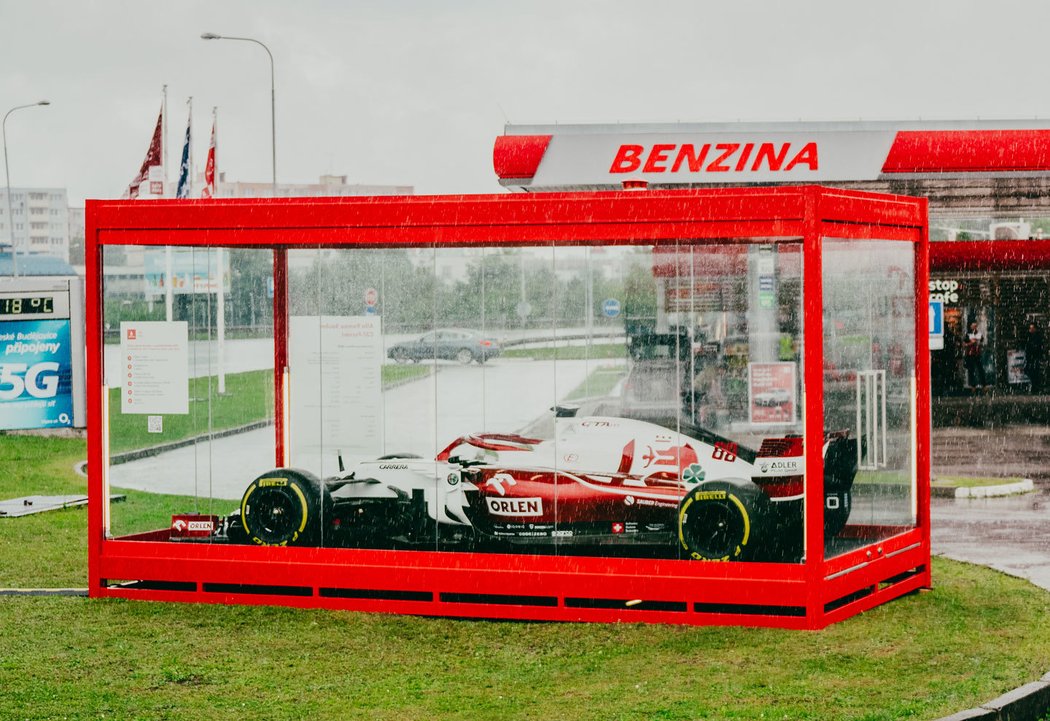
x=719, y=157
x=557, y=157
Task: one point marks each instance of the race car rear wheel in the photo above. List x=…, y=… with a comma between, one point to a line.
x=722, y=521
x=464, y=356
x=284, y=507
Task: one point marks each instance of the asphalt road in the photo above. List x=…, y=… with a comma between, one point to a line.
x=1010, y=534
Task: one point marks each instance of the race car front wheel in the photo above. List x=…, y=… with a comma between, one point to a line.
x=285, y=507
x=722, y=521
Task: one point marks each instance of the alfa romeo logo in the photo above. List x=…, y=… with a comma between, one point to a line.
x=693, y=474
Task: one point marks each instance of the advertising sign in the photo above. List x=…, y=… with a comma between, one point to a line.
x=936, y=325
x=771, y=393
x=193, y=270
x=36, y=375
x=1015, y=363
x=154, y=367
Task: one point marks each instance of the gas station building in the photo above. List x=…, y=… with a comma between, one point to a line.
x=988, y=185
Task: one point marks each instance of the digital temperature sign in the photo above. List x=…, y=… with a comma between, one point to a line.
x=27, y=305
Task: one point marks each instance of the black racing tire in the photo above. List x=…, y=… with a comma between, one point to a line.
x=285, y=507
x=837, y=507
x=465, y=356
x=722, y=521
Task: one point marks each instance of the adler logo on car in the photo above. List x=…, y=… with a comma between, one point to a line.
x=780, y=467
x=515, y=506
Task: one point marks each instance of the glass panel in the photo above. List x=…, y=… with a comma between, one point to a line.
x=717, y=358
x=190, y=382
x=614, y=400
x=869, y=390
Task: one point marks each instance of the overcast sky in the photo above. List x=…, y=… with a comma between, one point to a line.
x=413, y=92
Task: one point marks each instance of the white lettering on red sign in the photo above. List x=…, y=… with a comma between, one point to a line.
x=715, y=158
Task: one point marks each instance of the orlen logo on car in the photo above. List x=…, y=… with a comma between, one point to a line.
x=192, y=526
x=715, y=158
x=515, y=506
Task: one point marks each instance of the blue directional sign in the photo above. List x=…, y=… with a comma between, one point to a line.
x=611, y=307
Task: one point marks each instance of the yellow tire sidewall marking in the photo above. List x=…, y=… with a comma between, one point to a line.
x=698, y=495
x=244, y=515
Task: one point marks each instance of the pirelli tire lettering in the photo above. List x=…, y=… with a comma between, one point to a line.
x=722, y=521
x=285, y=508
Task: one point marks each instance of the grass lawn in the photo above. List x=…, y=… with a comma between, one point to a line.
x=393, y=373
x=972, y=481
x=598, y=383
x=975, y=636
x=569, y=352
x=248, y=398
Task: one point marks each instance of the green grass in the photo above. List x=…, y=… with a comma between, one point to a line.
x=598, y=383
x=972, y=482
x=976, y=635
x=570, y=352
x=248, y=398
x=393, y=373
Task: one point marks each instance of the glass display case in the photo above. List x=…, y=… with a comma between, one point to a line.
x=687, y=406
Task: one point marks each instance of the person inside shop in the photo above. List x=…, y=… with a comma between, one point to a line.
x=973, y=351
x=1033, y=358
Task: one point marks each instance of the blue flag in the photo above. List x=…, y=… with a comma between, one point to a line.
x=183, y=190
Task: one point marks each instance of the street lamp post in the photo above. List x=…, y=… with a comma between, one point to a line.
x=273, y=98
x=7, y=173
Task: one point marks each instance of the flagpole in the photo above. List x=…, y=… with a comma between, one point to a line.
x=164, y=139
x=169, y=291
x=189, y=136
x=215, y=150
x=220, y=301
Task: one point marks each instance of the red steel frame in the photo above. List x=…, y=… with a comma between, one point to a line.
x=807, y=595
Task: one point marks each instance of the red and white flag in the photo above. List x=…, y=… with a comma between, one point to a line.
x=208, y=191
x=154, y=157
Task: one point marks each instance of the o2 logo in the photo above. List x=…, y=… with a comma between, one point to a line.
x=39, y=380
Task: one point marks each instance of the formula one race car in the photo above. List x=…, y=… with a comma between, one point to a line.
x=600, y=481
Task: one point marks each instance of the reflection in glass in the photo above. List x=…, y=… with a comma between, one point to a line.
x=637, y=401
x=188, y=358
x=869, y=382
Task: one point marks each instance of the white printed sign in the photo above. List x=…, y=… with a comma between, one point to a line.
x=336, y=388
x=154, y=367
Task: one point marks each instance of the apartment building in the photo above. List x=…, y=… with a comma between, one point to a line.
x=38, y=221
